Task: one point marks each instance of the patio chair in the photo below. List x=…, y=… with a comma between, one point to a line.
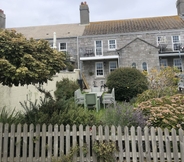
x=109, y=98
x=91, y=101
x=78, y=97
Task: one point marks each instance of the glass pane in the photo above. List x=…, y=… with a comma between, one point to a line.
x=99, y=68
x=62, y=46
x=112, y=66
x=144, y=66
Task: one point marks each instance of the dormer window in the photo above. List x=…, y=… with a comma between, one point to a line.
x=176, y=42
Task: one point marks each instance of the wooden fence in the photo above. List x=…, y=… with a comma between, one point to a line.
x=40, y=143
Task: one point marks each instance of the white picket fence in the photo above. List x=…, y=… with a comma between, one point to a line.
x=40, y=143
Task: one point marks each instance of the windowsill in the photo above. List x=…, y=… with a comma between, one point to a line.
x=111, y=49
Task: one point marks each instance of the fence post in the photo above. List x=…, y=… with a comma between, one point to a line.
x=147, y=143
x=120, y=144
x=31, y=134
x=1, y=137
x=12, y=143
x=154, y=145
x=5, y=144
x=181, y=139
x=93, y=141
x=56, y=141
x=43, y=142
x=25, y=143
x=18, y=142
x=168, y=145
x=74, y=131
x=175, y=147
x=134, y=152
x=81, y=142
x=49, y=143
x=127, y=147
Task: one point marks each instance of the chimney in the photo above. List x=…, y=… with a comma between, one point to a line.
x=180, y=8
x=84, y=13
x=2, y=19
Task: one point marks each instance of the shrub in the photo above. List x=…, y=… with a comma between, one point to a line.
x=128, y=82
x=10, y=117
x=65, y=89
x=53, y=112
x=105, y=150
x=164, y=112
x=124, y=115
x=153, y=93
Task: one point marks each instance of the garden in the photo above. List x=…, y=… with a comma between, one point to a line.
x=141, y=100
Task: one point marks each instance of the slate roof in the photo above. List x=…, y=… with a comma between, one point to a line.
x=134, y=25
x=46, y=32
x=103, y=27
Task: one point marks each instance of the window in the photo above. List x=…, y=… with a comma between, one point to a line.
x=163, y=62
x=134, y=65
x=99, y=69
x=176, y=42
x=98, y=48
x=112, y=66
x=62, y=47
x=144, y=66
x=178, y=63
x=112, y=44
x=161, y=40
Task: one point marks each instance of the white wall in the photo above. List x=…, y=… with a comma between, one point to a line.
x=10, y=97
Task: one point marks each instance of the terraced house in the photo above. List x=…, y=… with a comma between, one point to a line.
x=97, y=48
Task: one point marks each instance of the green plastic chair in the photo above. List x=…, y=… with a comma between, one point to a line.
x=91, y=101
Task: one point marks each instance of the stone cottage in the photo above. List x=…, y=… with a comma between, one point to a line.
x=97, y=48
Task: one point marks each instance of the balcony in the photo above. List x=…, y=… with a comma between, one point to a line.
x=89, y=54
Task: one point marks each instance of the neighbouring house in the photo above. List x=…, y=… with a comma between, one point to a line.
x=97, y=48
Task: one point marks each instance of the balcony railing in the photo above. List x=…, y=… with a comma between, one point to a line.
x=89, y=52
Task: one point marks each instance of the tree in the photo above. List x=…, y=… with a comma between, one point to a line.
x=127, y=82
x=27, y=61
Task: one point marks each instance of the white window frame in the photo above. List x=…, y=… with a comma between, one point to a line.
x=176, y=42
x=163, y=63
x=98, y=68
x=99, y=48
x=63, y=50
x=175, y=63
x=112, y=68
x=111, y=46
x=143, y=66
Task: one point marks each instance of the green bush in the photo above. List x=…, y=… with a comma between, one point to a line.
x=128, y=82
x=65, y=89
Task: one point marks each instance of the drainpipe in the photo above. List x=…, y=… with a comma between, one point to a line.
x=78, y=58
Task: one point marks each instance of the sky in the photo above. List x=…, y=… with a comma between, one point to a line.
x=23, y=13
